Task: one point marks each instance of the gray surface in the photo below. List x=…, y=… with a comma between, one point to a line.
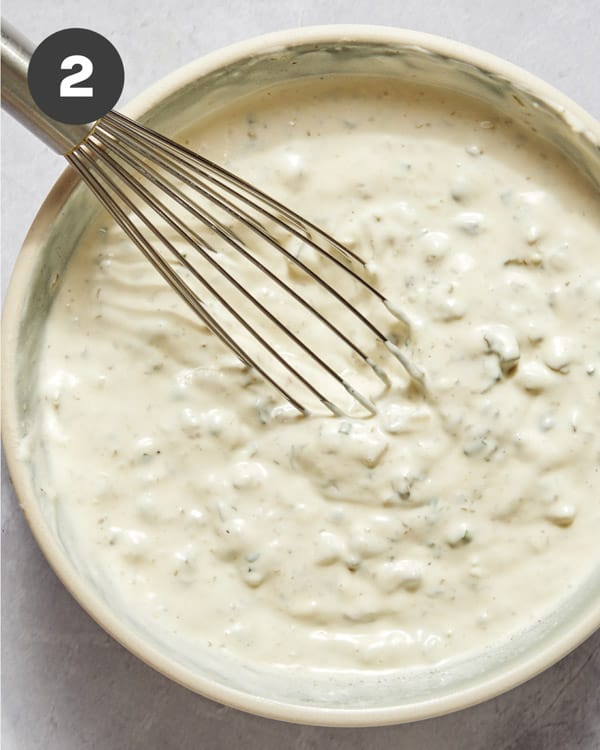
x=67, y=685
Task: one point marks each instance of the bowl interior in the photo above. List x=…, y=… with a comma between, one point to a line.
x=320, y=697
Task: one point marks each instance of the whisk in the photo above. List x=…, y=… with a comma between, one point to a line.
x=160, y=192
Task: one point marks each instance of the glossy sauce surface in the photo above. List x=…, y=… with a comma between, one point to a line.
x=446, y=523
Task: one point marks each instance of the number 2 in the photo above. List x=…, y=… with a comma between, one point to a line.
x=68, y=83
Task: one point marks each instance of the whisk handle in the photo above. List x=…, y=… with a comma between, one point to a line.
x=17, y=100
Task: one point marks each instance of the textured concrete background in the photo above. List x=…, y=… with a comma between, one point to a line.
x=67, y=685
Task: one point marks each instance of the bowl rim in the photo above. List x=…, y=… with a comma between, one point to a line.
x=483, y=689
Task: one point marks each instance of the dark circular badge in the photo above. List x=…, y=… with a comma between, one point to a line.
x=76, y=76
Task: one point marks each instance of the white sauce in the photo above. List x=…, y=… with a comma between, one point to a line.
x=446, y=523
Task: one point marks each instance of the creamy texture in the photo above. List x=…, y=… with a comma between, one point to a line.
x=446, y=523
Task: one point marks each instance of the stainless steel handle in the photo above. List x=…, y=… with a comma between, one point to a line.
x=16, y=99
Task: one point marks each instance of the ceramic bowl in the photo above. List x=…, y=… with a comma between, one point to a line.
x=360, y=698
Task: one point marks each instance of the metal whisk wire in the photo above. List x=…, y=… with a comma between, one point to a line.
x=139, y=176
x=119, y=156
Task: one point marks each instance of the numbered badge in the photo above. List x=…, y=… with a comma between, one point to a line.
x=76, y=76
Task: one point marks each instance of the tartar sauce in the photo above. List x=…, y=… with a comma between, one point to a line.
x=459, y=514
